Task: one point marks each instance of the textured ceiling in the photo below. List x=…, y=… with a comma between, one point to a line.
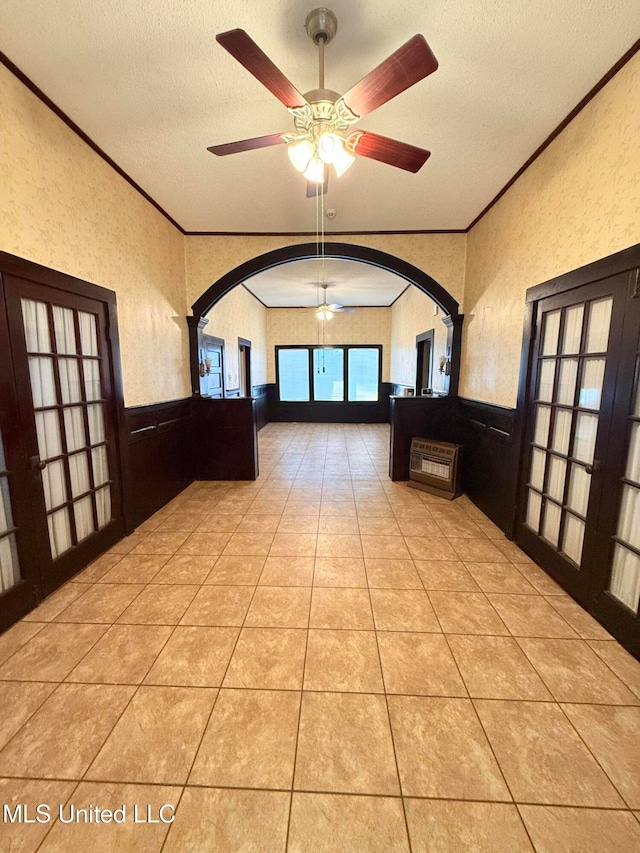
x=352, y=283
x=149, y=84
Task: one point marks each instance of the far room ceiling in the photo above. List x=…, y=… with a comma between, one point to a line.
x=147, y=82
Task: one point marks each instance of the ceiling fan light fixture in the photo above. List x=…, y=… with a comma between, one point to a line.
x=329, y=147
x=342, y=161
x=324, y=313
x=315, y=170
x=300, y=153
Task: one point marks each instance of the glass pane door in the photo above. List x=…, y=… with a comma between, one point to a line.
x=68, y=403
x=571, y=361
x=9, y=566
x=624, y=583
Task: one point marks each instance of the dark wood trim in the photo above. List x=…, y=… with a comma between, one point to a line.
x=417, y=417
x=22, y=77
x=624, y=261
x=251, y=293
x=22, y=268
x=313, y=233
x=420, y=339
x=262, y=394
x=611, y=73
x=305, y=251
x=196, y=325
x=454, y=351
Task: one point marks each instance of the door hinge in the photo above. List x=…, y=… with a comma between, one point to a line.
x=635, y=284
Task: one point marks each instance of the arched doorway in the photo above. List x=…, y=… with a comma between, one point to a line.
x=346, y=251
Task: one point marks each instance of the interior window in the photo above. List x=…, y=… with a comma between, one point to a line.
x=293, y=375
x=328, y=374
x=363, y=367
x=339, y=373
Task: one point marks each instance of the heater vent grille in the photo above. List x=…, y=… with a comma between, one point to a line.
x=434, y=467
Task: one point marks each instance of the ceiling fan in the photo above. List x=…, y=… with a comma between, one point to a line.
x=324, y=119
x=325, y=310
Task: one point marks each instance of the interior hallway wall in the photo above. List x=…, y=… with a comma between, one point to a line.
x=411, y=315
x=578, y=202
x=64, y=207
x=240, y=315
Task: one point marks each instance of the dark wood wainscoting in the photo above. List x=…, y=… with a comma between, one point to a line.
x=490, y=436
x=160, y=457
x=225, y=438
x=412, y=417
x=261, y=396
x=332, y=413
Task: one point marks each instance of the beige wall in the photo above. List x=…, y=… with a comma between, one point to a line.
x=411, y=315
x=300, y=326
x=240, y=315
x=578, y=202
x=65, y=208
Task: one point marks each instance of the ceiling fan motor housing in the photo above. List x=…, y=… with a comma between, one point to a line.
x=321, y=25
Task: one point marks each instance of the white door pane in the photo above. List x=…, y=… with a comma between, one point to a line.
x=9, y=571
x=74, y=429
x=584, y=443
x=629, y=518
x=64, y=329
x=562, y=431
x=69, y=380
x=633, y=460
x=43, y=387
x=92, y=386
x=579, y=488
x=53, y=483
x=533, y=510
x=551, y=524
x=545, y=381
x=96, y=423
x=557, y=475
x=625, y=577
x=573, y=538
x=48, y=430
x=88, y=337
x=100, y=466
x=598, y=326
x=591, y=385
x=103, y=503
x=572, y=329
x=567, y=381
x=83, y=512
x=79, y=473
x=36, y=326
x=537, y=468
x=551, y=329
x=59, y=532
x=541, y=433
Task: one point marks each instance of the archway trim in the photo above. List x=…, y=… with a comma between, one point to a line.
x=343, y=251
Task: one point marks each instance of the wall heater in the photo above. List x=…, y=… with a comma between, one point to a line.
x=435, y=467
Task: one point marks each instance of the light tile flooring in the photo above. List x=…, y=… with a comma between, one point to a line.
x=321, y=660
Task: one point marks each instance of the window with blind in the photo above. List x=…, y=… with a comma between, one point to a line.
x=329, y=374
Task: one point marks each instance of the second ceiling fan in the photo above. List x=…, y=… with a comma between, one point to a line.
x=324, y=119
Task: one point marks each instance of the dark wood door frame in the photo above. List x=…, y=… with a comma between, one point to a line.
x=12, y=266
x=421, y=340
x=245, y=353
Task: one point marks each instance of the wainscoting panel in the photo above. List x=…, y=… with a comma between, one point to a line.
x=260, y=394
x=225, y=438
x=418, y=417
x=331, y=413
x=160, y=457
x=490, y=435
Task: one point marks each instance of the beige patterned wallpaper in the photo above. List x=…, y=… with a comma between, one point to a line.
x=300, y=326
x=579, y=201
x=240, y=315
x=411, y=315
x=65, y=208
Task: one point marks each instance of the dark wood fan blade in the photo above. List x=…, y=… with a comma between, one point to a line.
x=409, y=64
x=312, y=192
x=243, y=48
x=246, y=144
x=390, y=151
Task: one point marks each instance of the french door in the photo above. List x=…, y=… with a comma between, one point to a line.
x=60, y=472
x=580, y=494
